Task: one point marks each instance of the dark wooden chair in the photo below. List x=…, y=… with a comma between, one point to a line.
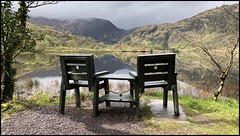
x=157, y=70
x=77, y=71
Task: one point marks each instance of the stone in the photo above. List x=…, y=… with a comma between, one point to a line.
x=166, y=114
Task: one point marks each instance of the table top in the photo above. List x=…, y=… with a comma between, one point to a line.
x=116, y=77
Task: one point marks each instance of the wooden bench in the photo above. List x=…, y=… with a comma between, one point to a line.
x=77, y=71
x=157, y=70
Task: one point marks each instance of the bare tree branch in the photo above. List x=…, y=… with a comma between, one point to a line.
x=34, y=4
x=232, y=54
x=205, y=51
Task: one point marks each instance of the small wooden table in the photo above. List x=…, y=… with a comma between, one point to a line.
x=111, y=97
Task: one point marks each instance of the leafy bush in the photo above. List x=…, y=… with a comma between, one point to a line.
x=40, y=98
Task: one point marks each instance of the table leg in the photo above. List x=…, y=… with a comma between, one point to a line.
x=131, y=92
x=106, y=88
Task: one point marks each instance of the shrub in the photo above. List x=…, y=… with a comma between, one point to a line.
x=40, y=98
x=29, y=83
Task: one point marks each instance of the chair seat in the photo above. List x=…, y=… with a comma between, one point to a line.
x=150, y=84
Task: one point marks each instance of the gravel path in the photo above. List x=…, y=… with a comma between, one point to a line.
x=117, y=120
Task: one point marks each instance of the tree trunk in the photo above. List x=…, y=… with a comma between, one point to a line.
x=9, y=71
x=2, y=72
x=219, y=90
x=8, y=80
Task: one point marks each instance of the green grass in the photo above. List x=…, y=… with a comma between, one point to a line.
x=206, y=116
x=38, y=99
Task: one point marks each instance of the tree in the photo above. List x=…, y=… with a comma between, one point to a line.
x=42, y=45
x=232, y=28
x=15, y=39
x=72, y=43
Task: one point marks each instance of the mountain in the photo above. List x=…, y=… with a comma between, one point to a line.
x=61, y=39
x=213, y=24
x=99, y=29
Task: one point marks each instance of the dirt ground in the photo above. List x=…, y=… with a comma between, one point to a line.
x=46, y=120
x=119, y=119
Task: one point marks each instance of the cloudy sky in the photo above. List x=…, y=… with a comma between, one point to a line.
x=127, y=14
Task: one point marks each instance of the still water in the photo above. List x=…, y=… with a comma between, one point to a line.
x=193, y=75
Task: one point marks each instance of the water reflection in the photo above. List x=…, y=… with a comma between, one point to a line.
x=107, y=62
x=190, y=70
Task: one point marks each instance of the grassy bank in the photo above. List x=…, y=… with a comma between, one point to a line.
x=205, y=115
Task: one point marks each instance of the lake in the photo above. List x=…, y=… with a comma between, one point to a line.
x=196, y=74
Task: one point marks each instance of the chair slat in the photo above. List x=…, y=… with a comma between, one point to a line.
x=79, y=83
x=156, y=60
x=76, y=64
x=155, y=84
x=154, y=77
x=77, y=60
x=77, y=76
x=77, y=69
x=156, y=68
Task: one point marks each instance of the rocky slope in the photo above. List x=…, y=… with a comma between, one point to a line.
x=213, y=24
x=99, y=29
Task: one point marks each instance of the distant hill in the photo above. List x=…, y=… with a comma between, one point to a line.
x=99, y=29
x=213, y=24
x=54, y=38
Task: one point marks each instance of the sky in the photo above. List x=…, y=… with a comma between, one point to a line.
x=127, y=14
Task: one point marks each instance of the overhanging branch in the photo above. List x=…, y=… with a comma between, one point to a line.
x=205, y=50
x=34, y=4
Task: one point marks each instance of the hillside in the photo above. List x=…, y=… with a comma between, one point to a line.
x=99, y=29
x=213, y=24
x=55, y=38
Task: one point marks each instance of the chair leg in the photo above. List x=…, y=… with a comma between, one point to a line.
x=62, y=100
x=77, y=97
x=175, y=100
x=137, y=102
x=106, y=88
x=96, y=95
x=165, y=97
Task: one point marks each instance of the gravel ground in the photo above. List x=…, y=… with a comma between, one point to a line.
x=117, y=120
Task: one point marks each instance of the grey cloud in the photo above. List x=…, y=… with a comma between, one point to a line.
x=127, y=14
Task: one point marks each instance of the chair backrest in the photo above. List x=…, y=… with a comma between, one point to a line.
x=77, y=67
x=156, y=67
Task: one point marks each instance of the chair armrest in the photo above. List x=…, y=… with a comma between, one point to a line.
x=133, y=74
x=101, y=73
